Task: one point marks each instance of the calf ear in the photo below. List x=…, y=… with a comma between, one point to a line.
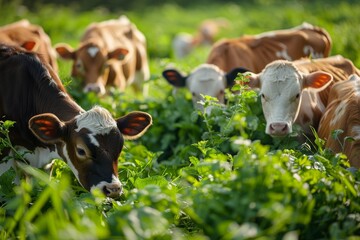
x=134, y=124
x=119, y=54
x=230, y=76
x=254, y=80
x=30, y=45
x=174, y=77
x=318, y=80
x=65, y=51
x=47, y=127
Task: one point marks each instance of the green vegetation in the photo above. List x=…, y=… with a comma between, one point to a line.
x=192, y=175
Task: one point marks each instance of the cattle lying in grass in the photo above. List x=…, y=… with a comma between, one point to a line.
x=255, y=52
x=50, y=125
x=184, y=43
x=31, y=37
x=343, y=113
x=298, y=91
x=206, y=79
x=111, y=53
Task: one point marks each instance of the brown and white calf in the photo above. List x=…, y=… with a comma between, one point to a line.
x=50, y=125
x=255, y=52
x=298, y=91
x=343, y=112
x=206, y=79
x=111, y=53
x=30, y=37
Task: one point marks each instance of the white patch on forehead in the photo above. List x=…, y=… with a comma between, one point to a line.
x=92, y=51
x=97, y=120
x=283, y=54
x=279, y=76
x=207, y=72
x=340, y=111
x=356, y=132
x=207, y=79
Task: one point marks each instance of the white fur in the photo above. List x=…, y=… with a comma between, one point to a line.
x=182, y=45
x=93, y=51
x=340, y=111
x=70, y=164
x=356, y=132
x=280, y=85
x=38, y=158
x=308, y=50
x=115, y=182
x=283, y=54
x=98, y=120
x=206, y=79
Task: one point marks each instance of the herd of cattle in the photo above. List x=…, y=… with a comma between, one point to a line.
x=296, y=78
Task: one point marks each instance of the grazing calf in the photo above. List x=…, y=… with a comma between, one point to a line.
x=184, y=43
x=111, y=53
x=49, y=124
x=206, y=79
x=298, y=91
x=30, y=37
x=343, y=112
x=255, y=52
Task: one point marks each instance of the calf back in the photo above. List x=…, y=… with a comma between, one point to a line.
x=255, y=52
x=21, y=32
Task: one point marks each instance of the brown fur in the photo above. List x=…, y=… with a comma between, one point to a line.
x=255, y=52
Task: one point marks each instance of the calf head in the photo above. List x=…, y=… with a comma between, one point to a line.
x=90, y=63
x=281, y=87
x=206, y=79
x=91, y=143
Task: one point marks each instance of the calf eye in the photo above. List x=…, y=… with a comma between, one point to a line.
x=81, y=152
x=297, y=96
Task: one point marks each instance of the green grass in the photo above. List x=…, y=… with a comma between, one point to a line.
x=194, y=176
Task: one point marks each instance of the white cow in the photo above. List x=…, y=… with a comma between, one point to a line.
x=287, y=92
x=206, y=79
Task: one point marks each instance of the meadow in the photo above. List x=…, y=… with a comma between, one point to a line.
x=193, y=176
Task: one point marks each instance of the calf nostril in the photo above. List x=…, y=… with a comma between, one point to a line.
x=112, y=190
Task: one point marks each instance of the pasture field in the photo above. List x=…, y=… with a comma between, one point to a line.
x=193, y=176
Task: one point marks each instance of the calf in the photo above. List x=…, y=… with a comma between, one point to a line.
x=49, y=124
x=255, y=52
x=298, y=91
x=206, y=79
x=184, y=43
x=343, y=112
x=30, y=37
x=111, y=53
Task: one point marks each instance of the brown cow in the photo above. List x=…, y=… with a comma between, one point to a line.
x=111, y=53
x=50, y=125
x=343, y=112
x=298, y=91
x=255, y=52
x=31, y=37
